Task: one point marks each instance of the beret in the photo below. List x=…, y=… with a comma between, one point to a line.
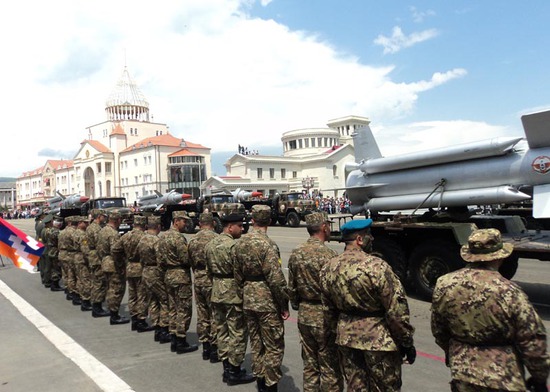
x=355, y=225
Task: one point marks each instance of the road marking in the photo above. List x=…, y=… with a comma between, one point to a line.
x=104, y=378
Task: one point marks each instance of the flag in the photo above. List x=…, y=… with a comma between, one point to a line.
x=22, y=249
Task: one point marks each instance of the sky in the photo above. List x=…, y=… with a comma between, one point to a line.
x=228, y=72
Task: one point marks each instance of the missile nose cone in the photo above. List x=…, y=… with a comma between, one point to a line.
x=186, y=196
x=257, y=194
x=84, y=199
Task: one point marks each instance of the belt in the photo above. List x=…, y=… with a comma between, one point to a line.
x=311, y=301
x=171, y=267
x=486, y=344
x=364, y=313
x=254, y=278
x=134, y=261
x=222, y=276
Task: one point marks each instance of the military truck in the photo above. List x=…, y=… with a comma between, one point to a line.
x=291, y=208
x=111, y=204
x=218, y=204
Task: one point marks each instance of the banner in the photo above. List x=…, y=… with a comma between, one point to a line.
x=21, y=248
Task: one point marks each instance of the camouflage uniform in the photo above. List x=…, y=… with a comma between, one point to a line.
x=365, y=305
x=65, y=257
x=84, y=281
x=265, y=297
x=137, y=291
x=46, y=266
x=202, y=284
x=174, y=260
x=52, y=238
x=321, y=366
x=486, y=325
x=112, y=265
x=227, y=309
x=99, y=282
x=153, y=277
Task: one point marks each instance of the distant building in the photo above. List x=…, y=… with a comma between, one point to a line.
x=7, y=195
x=313, y=161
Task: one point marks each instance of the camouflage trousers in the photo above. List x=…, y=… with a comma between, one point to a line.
x=231, y=332
x=205, y=319
x=116, y=287
x=462, y=386
x=84, y=280
x=372, y=371
x=55, y=269
x=267, y=343
x=71, y=276
x=99, y=284
x=321, y=364
x=138, y=298
x=180, y=308
x=45, y=264
x=158, y=299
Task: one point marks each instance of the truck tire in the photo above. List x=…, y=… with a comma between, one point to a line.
x=392, y=253
x=509, y=266
x=218, y=227
x=293, y=219
x=429, y=261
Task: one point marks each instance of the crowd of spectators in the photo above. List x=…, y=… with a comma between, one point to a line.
x=330, y=205
x=19, y=213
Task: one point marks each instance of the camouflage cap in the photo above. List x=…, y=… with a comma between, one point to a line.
x=261, y=213
x=206, y=217
x=140, y=220
x=153, y=220
x=97, y=212
x=180, y=215
x=83, y=219
x=316, y=219
x=485, y=245
x=232, y=212
x=47, y=219
x=115, y=215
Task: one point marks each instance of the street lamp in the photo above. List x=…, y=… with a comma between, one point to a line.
x=308, y=183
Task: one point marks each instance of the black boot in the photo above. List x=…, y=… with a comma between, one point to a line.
x=117, y=319
x=206, y=351
x=98, y=311
x=157, y=333
x=86, y=305
x=76, y=299
x=260, y=383
x=142, y=326
x=164, y=335
x=173, y=343
x=271, y=388
x=226, y=367
x=69, y=296
x=237, y=376
x=214, y=354
x=182, y=347
x=134, y=323
x=55, y=286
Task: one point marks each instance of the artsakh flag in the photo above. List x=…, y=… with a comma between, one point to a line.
x=22, y=249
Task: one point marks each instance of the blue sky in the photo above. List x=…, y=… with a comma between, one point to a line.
x=229, y=72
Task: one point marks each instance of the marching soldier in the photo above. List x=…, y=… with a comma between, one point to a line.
x=113, y=267
x=153, y=277
x=65, y=258
x=365, y=306
x=46, y=267
x=259, y=274
x=99, y=282
x=227, y=308
x=203, y=286
x=321, y=366
x=80, y=246
x=486, y=325
x=174, y=260
x=53, y=251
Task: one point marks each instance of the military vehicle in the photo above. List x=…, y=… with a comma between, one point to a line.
x=444, y=184
x=291, y=208
x=111, y=204
x=218, y=204
x=157, y=200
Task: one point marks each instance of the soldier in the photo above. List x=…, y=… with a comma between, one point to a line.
x=99, y=283
x=46, y=268
x=203, y=286
x=66, y=259
x=80, y=247
x=259, y=274
x=365, y=306
x=486, y=325
x=321, y=366
x=53, y=251
x=38, y=227
x=137, y=292
x=231, y=331
x=153, y=277
x=113, y=266
x=174, y=260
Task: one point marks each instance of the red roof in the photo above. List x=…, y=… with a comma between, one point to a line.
x=57, y=164
x=183, y=152
x=97, y=145
x=163, y=140
x=118, y=130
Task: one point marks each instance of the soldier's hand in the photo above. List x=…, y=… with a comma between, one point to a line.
x=409, y=353
x=285, y=314
x=536, y=386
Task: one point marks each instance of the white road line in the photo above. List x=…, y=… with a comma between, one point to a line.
x=98, y=372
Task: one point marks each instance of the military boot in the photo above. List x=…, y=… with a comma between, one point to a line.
x=237, y=376
x=164, y=335
x=214, y=354
x=69, y=295
x=142, y=326
x=55, y=286
x=86, y=305
x=76, y=299
x=182, y=347
x=135, y=320
x=271, y=388
x=206, y=351
x=260, y=383
x=98, y=311
x=226, y=367
x=173, y=343
x=157, y=333
x=117, y=319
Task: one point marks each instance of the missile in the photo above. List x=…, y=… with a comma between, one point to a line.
x=478, y=173
x=62, y=202
x=241, y=195
x=158, y=199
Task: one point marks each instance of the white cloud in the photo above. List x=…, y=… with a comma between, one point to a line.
x=215, y=75
x=399, y=41
x=419, y=16
x=265, y=3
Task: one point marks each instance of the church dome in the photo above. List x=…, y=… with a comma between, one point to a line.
x=127, y=102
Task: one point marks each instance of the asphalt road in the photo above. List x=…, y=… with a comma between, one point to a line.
x=48, y=344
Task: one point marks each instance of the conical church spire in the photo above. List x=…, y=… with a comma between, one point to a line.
x=126, y=102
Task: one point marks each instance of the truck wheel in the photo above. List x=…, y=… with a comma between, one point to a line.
x=429, y=261
x=218, y=227
x=509, y=266
x=391, y=252
x=293, y=219
x=189, y=226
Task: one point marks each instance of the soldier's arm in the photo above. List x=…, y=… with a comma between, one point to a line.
x=292, y=284
x=439, y=324
x=237, y=268
x=275, y=278
x=330, y=312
